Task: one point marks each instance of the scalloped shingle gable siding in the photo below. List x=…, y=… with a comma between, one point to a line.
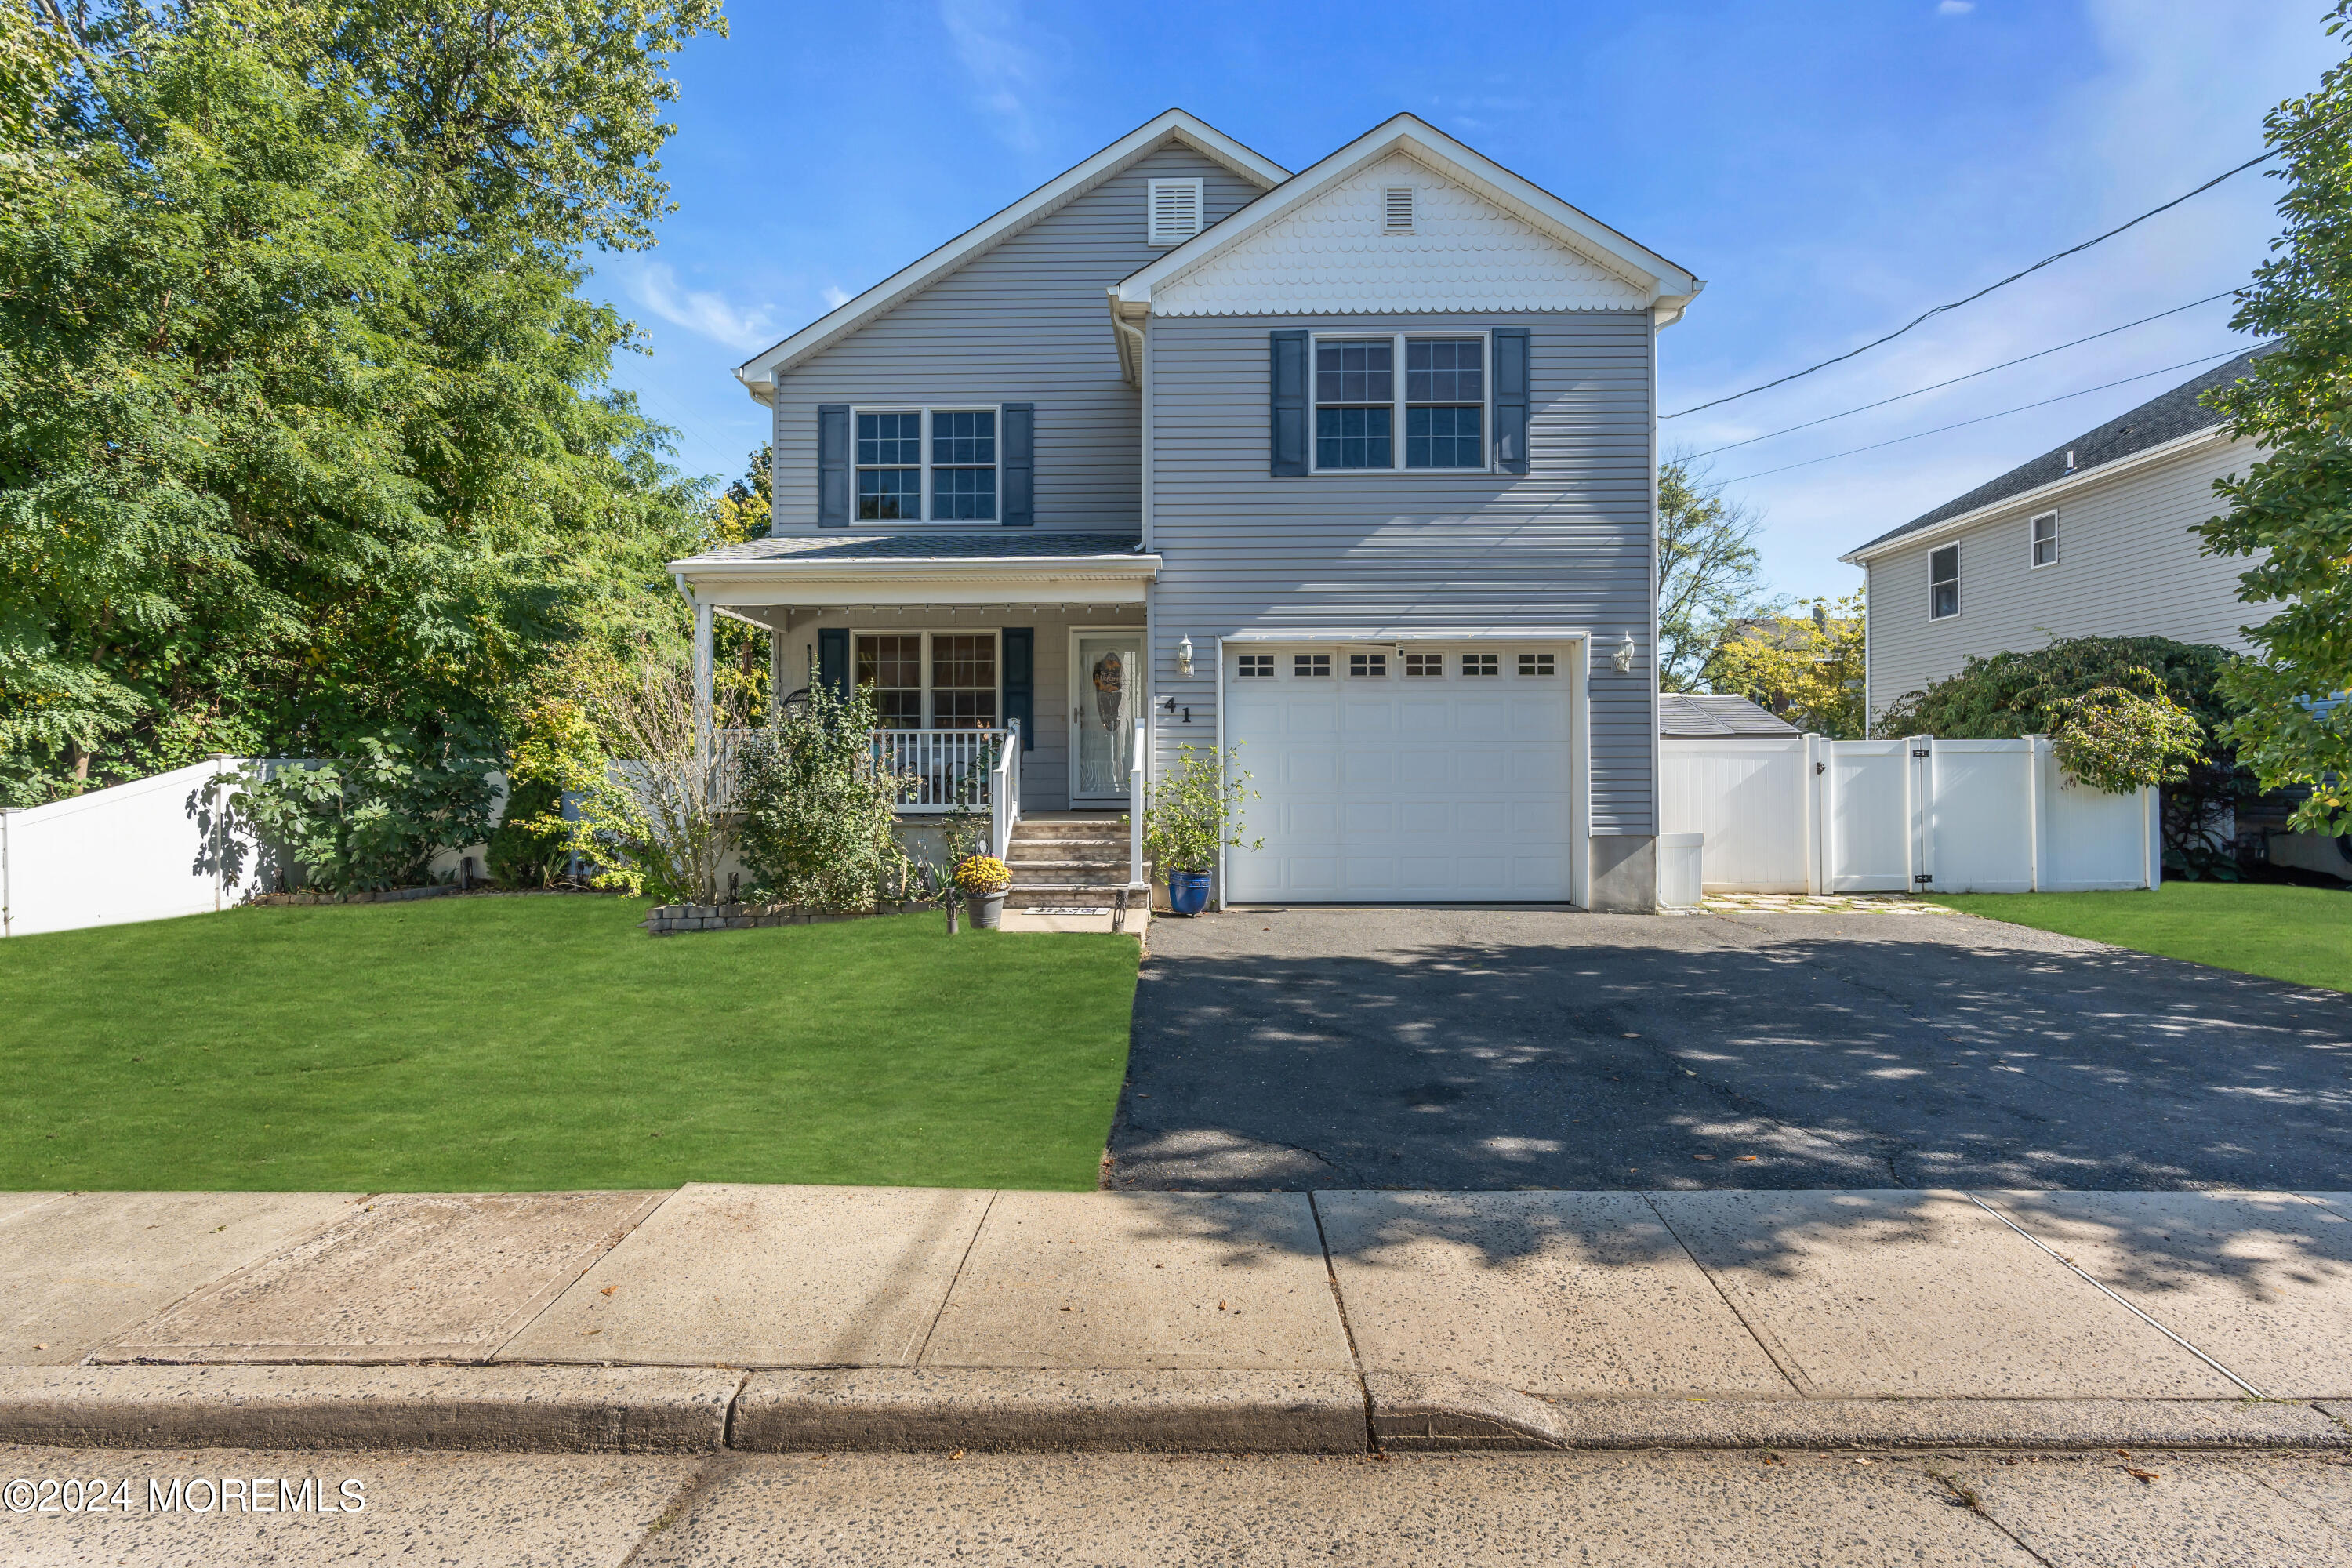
x=1330, y=257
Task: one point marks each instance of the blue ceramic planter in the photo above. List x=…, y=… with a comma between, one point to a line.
x=1188, y=892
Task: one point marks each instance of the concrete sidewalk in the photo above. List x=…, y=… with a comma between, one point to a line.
x=826, y=1319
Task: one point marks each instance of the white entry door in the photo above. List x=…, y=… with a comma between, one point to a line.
x=1436, y=772
x=1106, y=700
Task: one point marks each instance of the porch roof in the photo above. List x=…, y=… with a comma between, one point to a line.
x=922, y=568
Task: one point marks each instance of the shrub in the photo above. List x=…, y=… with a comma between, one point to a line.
x=1195, y=808
x=526, y=851
x=818, y=828
x=374, y=818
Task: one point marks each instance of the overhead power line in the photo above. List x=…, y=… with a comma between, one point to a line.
x=1916, y=434
x=1955, y=381
x=1956, y=304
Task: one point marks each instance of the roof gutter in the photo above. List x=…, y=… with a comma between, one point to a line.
x=2041, y=495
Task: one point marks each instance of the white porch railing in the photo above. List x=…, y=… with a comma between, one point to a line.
x=1004, y=792
x=937, y=770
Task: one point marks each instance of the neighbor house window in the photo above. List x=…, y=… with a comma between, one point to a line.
x=1944, y=583
x=929, y=680
x=1258, y=666
x=948, y=454
x=1423, y=666
x=1310, y=665
x=1360, y=402
x=1482, y=664
x=2044, y=530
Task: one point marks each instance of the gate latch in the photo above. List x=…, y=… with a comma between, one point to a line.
x=1924, y=877
x=1921, y=752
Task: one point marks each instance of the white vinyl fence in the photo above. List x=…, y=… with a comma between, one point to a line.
x=142, y=851
x=1807, y=815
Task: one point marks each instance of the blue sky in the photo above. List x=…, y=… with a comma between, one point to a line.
x=1830, y=169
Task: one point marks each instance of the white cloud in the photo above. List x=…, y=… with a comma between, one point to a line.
x=835, y=297
x=1956, y=7
x=984, y=33
x=701, y=310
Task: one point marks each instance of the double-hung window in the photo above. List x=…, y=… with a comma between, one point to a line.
x=1944, y=583
x=935, y=464
x=1358, y=408
x=2044, y=532
x=931, y=680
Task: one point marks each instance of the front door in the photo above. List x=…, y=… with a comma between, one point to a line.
x=1106, y=700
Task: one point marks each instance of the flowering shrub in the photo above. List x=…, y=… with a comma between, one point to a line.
x=981, y=874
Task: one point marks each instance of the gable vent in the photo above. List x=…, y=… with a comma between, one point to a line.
x=1174, y=211
x=1396, y=210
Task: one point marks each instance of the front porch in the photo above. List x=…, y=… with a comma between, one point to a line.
x=1009, y=670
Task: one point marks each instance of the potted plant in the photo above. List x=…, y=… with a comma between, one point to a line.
x=1195, y=810
x=982, y=879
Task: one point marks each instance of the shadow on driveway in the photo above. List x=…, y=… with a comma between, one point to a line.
x=1462, y=1048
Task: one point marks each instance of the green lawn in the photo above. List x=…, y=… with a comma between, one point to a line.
x=515, y=1044
x=2301, y=934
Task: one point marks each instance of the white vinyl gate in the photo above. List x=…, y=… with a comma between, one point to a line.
x=1807, y=815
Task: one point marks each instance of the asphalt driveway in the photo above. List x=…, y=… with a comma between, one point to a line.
x=1495, y=1048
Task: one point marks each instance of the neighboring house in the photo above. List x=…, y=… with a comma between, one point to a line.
x=2091, y=539
x=1352, y=468
x=1695, y=715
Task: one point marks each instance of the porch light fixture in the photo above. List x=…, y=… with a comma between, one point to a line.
x=1623, y=658
x=1184, y=656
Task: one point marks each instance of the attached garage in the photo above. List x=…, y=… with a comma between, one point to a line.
x=1407, y=771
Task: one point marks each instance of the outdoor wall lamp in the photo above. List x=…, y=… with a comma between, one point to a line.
x=1623, y=658
x=1184, y=656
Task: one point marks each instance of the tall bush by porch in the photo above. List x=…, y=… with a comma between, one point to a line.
x=817, y=826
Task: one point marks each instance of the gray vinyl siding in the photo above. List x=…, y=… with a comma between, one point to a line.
x=1567, y=545
x=1025, y=322
x=1045, y=770
x=2127, y=566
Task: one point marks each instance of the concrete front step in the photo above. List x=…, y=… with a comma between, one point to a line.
x=1090, y=851
x=1077, y=895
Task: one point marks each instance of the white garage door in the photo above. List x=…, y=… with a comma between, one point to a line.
x=1424, y=771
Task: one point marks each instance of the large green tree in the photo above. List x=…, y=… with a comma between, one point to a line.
x=306, y=436
x=1710, y=573
x=2293, y=507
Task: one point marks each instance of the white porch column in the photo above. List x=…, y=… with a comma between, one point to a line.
x=702, y=728
x=775, y=674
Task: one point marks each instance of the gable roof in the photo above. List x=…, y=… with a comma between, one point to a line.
x=1695, y=716
x=1669, y=287
x=758, y=374
x=2161, y=420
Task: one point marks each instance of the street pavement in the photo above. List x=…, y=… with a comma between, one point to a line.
x=2151, y=1508
x=1468, y=1048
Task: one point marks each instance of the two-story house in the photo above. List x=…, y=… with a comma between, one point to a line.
x=2092, y=537
x=1351, y=469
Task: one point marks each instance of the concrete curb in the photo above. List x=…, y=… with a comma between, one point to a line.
x=1445, y=1414
x=637, y=1410
x=1175, y=1412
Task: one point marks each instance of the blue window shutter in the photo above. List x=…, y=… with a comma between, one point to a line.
x=1511, y=399
x=1021, y=681
x=1019, y=461
x=1289, y=378
x=832, y=660
x=833, y=465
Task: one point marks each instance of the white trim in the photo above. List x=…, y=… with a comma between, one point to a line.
x=1397, y=404
x=1670, y=288
x=1032, y=580
x=758, y=373
x=1142, y=635
x=2038, y=499
x=1324, y=635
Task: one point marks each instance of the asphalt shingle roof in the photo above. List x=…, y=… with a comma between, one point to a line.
x=2165, y=418
x=1002, y=544
x=1693, y=716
